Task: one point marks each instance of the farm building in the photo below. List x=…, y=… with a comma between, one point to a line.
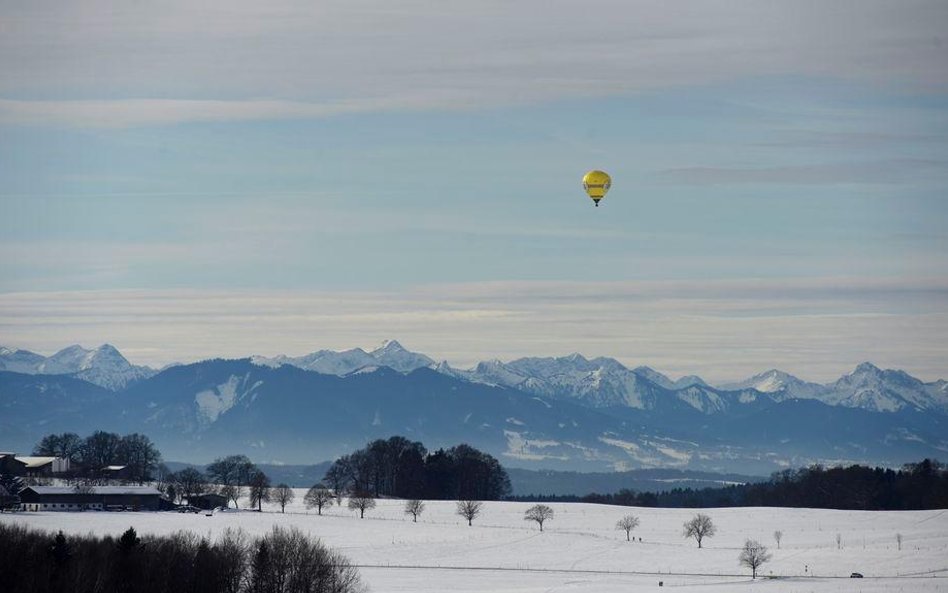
x=208, y=501
x=116, y=472
x=44, y=466
x=58, y=498
x=33, y=466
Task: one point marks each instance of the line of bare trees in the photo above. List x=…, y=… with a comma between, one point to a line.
x=234, y=477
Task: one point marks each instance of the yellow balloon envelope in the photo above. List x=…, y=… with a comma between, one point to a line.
x=596, y=184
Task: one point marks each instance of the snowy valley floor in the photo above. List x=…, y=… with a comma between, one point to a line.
x=580, y=550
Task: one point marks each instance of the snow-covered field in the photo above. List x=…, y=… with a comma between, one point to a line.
x=580, y=550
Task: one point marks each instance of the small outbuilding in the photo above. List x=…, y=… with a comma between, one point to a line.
x=116, y=472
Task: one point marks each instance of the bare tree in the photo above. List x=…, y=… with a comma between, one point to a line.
x=778, y=535
x=139, y=455
x=232, y=492
x=339, y=477
x=234, y=546
x=283, y=495
x=839, y=541
x=627, y=524
x=469, y=509
x=538, y=513
x=753, y=556
x=99, y=450
x=233, y=473
x=898, y=538
x=699, y=528
x=414, y=508
x=317, y=497
x=361, y=501
x=189, y=482
x=67, y=445
x=163, y=477
x=259, y=489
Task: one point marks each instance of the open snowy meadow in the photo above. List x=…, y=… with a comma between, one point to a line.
x=580, y=549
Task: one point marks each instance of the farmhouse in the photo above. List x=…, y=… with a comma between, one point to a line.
x=33, y=466
x=58, y=498
x=44, y=466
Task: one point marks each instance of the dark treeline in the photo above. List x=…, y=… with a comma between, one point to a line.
x=405, y=469
x=283, y=561
x=90, y=456
x=917, y=486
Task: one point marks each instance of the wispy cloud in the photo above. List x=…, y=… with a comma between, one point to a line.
x=121, y=113
x=162, y=61
x=888, y=171
x=723, y=330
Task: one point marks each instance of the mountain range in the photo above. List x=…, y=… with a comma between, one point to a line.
x=566, y=413
x=104, y=366
x=599, y=382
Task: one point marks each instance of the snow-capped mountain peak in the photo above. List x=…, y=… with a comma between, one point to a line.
x=389, y=346
x=20, y=361
x=71, y=356
x=866, y=368
x=781, y=385
x=105, y=366
x=690, y=380
x=872, y=388
x=395, y=356
x=330, y=362
x=767, y=382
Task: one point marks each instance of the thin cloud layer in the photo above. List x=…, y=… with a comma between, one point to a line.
x=878, y=172
x=157, y=63
x=722, y=330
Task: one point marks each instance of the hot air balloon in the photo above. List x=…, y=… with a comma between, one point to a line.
x=596, y=184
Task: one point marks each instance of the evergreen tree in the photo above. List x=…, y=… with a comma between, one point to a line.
x=129, y=541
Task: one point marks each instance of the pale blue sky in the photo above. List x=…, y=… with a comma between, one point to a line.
x=779, y=171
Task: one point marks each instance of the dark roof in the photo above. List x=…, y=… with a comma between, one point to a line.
x=129, y=490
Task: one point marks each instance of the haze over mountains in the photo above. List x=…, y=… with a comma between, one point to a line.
x=564, y=413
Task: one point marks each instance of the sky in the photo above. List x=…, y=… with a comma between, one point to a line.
x=240, y=178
